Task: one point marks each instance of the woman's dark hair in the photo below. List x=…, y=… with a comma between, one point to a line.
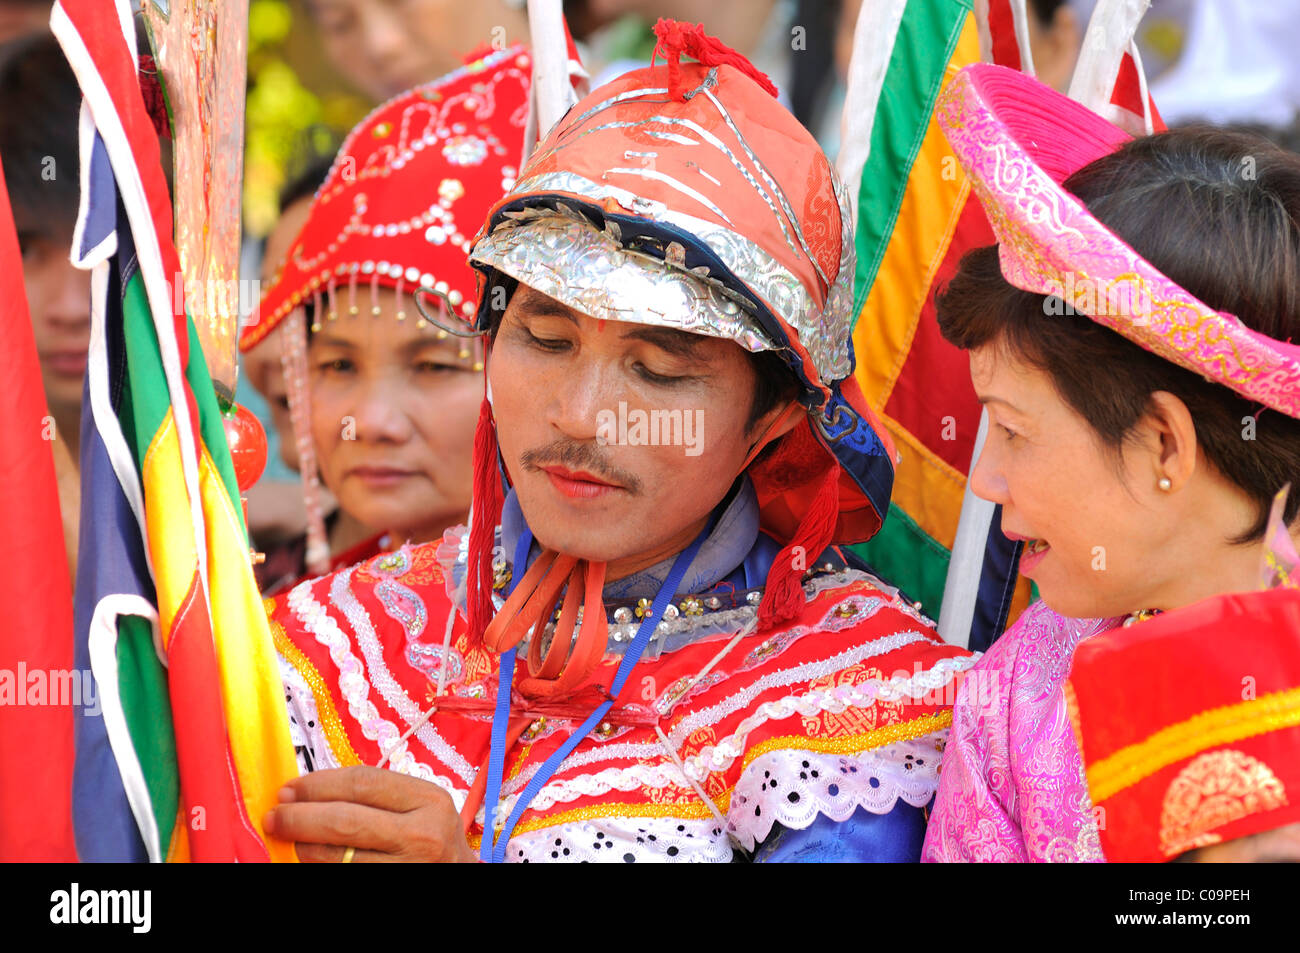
x=305, y=178
x=311, y=172
x=1217, y=212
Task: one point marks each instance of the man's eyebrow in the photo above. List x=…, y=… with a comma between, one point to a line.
x=677, y=343
x=544, y=306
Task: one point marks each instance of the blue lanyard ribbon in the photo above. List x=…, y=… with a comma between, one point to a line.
x=495, y=853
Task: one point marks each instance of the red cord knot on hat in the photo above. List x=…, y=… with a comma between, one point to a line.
x=676, y=38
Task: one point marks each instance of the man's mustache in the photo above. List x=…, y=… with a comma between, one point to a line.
x=579, y=455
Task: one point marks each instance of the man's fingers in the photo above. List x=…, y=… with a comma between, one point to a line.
x=335, y=822
x=375, y=787
x=332, y=854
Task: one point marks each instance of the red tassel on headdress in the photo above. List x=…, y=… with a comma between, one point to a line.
x=784, y=598
x=676, y=38
x=488, y=500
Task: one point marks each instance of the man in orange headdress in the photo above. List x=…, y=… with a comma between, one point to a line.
x=647, y=645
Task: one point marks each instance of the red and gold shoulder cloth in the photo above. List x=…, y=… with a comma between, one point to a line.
x=718, y=738
x=1189, y=724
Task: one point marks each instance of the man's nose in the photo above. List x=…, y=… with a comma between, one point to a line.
x=579, y=400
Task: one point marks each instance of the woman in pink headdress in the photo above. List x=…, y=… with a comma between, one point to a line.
x=1128, y=338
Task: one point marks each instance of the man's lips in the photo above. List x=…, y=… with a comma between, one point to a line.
x=578, y=484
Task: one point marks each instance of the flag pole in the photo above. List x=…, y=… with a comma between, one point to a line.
x=201, y=51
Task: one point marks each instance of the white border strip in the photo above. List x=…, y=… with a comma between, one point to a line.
x=86, y=148
x=873, y=44
x=131, y=189
x=1019, y=17
x=962, y=586
x=1110, y=31
x=103, y=665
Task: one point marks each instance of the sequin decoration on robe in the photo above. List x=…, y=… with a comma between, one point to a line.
x=829, y=723
x=1012, y=785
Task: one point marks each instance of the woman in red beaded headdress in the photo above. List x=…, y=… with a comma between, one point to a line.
x=383, y=402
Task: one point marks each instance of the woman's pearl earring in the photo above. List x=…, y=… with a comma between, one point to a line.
x=1165, y=484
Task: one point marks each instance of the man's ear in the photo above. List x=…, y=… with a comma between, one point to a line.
x=1168, y=437
x=773, y=425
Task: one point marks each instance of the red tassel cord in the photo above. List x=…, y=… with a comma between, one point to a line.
x=488, y=500
x=784, y=598
x=676, y=38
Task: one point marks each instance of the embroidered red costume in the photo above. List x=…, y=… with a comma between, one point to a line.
x=769, y=710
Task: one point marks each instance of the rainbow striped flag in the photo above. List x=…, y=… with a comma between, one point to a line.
x=916, y=218
x=193, y=740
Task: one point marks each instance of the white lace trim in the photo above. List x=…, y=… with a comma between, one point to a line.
x=632, y=778
x=805, y=672
x=355, y=690
x=305, y=730
x=793, y=787
x=382, y=679
x=720, y=757
x=834, y=699
x=625, y=840
x=829, y=785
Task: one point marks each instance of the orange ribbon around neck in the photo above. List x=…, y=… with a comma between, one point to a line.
x=560, y=671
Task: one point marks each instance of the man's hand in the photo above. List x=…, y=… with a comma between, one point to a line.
x=384, y=815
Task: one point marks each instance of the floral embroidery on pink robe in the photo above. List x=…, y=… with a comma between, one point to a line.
x=1011, y=786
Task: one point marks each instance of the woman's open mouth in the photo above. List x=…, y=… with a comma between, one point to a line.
x=1033, y=554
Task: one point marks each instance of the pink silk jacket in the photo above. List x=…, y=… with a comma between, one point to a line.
x=1011, y=786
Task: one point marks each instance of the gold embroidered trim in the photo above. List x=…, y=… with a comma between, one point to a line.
x=855, y=744
x=846, y=744
x=1209, y=729
x=325, y=710
x=1214, y=790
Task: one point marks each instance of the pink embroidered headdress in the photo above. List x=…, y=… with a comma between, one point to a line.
x=1018, y=140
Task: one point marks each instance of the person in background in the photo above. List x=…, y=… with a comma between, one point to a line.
x=1129, y=339
x=276, y=509
x=20, y=18
x=383, y=47
x=383, y=403
x=38, y=145
x=1055, y=37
